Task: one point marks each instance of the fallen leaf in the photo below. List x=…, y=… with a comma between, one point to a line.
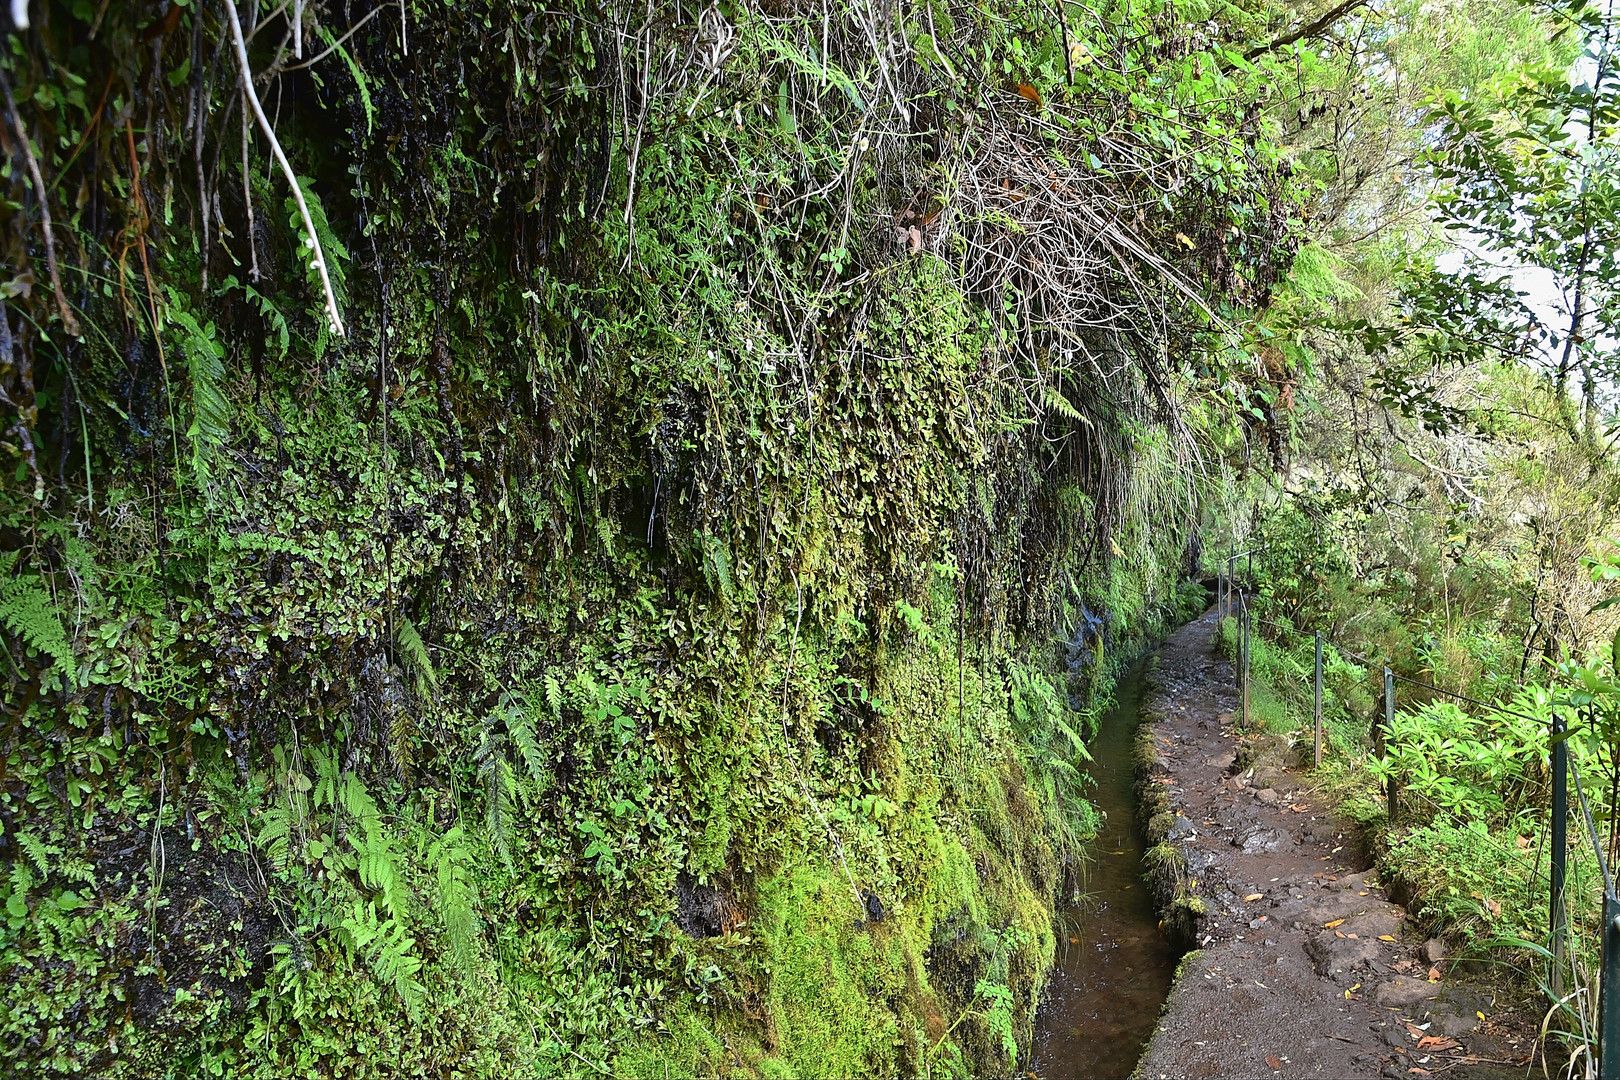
x=1434, y=974
x=1480, y=1015
x=1436, y=1042
x=1352, y=937
x=1386, y=937
x=1182, y=238
x=1252, y=897
x=1494, y=908
x=1338, y=934
x=1331, y=925
x=1074, y=941
x=1522, y=842
x=1274, y=1061
x=1029, y=93
x=1363, y=892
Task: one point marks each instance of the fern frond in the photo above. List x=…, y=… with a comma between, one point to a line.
x=521, y=728
x=210, y=411
x=388, y=951
x=554, y=697
x=379, y=870
x=414, y=654
x=458, y=898
x=1053, y=399
x=30, y=613
x=401, y=728
x=39, y=852
x=275, y=835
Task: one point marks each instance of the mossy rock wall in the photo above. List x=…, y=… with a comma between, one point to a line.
x=637, y=642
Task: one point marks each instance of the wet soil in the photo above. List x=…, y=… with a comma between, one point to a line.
x=1115, y=971
x=1304, y=966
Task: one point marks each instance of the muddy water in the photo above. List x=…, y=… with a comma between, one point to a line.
x=1114, y=967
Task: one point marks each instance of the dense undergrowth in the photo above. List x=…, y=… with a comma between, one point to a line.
x=610, y=573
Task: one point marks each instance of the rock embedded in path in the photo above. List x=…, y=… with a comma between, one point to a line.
x=1402, y=991
x=1267, y=839
x=1434, y=950
x=1334, y=954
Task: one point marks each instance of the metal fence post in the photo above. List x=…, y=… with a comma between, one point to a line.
x=1244, y=608
x=1393, y=793
x=1609, y=993
x=1560, y=848
x=1318, y=717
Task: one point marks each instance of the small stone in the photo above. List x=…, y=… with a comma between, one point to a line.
x=1434, y=950
x=1267, y=796
x=1182, y=829
x=1395, y=1037
x=1393, y=1072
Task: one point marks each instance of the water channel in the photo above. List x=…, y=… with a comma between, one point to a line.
x=1114, y=967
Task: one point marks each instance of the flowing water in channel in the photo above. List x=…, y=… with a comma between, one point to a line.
x=1114, y=967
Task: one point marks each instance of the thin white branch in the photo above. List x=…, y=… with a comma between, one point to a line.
x=286, y=168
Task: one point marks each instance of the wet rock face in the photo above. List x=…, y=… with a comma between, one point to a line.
x=700, y=910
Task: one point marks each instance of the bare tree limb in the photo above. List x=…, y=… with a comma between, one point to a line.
x=1309, y=30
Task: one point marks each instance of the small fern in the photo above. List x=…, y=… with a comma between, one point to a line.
x=515, y=712
x=388, y=951
x=28, y=610
x=413, y=655
x=337, y=256
x=401, y=730
x=496, y=774
x=210, y=411
x=39, y=852
x=458, y=897
x=554, y=697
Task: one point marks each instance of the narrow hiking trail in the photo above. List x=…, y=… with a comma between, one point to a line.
x=1305, y=967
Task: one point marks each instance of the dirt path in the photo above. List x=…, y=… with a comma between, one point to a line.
x=1304, y=966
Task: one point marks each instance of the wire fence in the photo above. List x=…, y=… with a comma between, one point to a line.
x=1235, y=602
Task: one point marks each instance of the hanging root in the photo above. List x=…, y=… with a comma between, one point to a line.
x=70, y=323
x=286, y=168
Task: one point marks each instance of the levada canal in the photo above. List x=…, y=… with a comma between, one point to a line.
x=1114, y=966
